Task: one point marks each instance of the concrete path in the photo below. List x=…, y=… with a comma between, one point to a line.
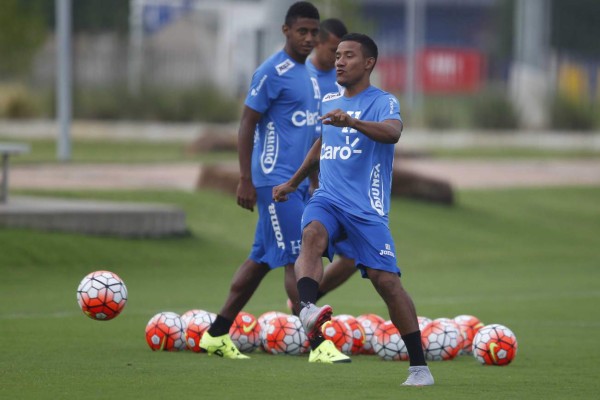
x=105, y=176
x=460, y=174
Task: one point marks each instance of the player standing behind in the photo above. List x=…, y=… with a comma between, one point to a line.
x=356, y=154
x=321, y=63
x=276, y=131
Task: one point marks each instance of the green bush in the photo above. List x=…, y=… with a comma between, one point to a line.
x=493, y=110
x=16, y=102
x=205, y=103
x=440, y=115
x=569, y=114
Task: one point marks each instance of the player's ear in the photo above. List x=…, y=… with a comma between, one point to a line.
x=370, y=63
x=285, y=29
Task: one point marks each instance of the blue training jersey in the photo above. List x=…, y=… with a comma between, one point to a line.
x=327, y=79
x=356, y=171
x=288, y=98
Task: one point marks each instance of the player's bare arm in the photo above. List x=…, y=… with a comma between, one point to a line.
x=246, y=192
x=387, y=131
x=310, y=163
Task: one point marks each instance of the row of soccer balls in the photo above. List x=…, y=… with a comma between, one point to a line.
x=278, y=333
x=102, y=295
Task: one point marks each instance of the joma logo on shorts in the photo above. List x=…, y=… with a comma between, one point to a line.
x=276, y=227
x=387, y=252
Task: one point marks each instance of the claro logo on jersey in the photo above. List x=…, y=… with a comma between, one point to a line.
x=376, y=190
x=305, y=118
x=340, y=152
x=268, y=157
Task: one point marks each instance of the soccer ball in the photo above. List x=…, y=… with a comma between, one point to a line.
x=284, y=335
x=187, y=316
x=357, y=332
x=262, y=322
x=102, y=295
x=196, y=327
x=495, y=345
x=266, y=317
x=441, y=340
x=469, y=326
x=423, y=322
x=388, y=343
x=369, y=323
x=245, y=332
x=339, y=333
x=165, y=332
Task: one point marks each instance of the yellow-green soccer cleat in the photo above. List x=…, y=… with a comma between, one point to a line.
x=327, y=353
x=221, y=346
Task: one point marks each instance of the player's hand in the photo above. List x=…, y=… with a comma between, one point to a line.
x=338, y=118
x=280, y=192
x=246, y=194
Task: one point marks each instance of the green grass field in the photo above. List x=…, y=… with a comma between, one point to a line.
x=528, y=259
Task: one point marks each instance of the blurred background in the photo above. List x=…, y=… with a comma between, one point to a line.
x=455, y=64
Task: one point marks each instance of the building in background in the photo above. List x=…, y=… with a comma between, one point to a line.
x=459, y=47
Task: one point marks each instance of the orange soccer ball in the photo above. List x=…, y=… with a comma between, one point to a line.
x=469, y=326
x=495, y=344
x=165, y=332
x=102, y=295
x=388, y=343
x=340, y=333
x=357, y=332
x=284, y=335
x=196, y=327
x=369, y=323
x=442, y=339
x=245, y=332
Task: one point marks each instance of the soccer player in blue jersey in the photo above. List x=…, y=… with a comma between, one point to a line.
x=321, y=64
x=355, y=153
x=276, y=131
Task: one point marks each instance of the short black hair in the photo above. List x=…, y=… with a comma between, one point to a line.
x=368, y=46
x=332, y=26
x=301, y=9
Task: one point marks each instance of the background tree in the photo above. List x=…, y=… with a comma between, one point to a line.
x=22, y=32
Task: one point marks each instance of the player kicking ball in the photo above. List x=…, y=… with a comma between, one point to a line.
x=355, y=155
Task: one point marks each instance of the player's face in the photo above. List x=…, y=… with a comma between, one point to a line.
x=351, y=66
x=325, y=51
x=301, y=37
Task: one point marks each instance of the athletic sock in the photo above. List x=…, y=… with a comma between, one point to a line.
x=320, y=294
x=307, y=290
x=414, y=348
x=220, y=326
x=315, y=342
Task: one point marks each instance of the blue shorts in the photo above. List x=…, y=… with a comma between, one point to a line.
x=278, y=233
x=343, y=248
x=369, y=242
